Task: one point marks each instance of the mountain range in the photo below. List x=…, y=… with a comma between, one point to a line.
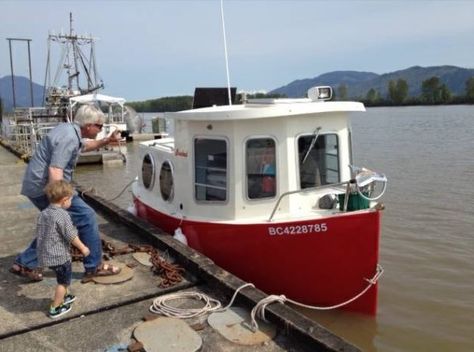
x=359, y=83
x=22, y=92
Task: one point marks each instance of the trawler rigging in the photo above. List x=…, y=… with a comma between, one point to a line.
x=78, y=67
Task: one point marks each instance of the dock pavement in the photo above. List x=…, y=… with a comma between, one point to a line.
x=104, y=316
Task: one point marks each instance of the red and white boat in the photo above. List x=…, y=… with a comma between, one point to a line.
x=266, y=190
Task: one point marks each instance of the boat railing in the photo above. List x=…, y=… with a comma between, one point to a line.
x=21, y=138
x=347, y=184
x=8, y=126
x=24, y=135
x=363, y=184
x=164, y=144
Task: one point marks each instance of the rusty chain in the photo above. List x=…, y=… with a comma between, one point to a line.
x=171, y=274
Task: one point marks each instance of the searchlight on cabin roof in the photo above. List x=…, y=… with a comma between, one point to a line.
x=320, y=93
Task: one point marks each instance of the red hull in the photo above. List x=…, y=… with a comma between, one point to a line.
x=319, y=262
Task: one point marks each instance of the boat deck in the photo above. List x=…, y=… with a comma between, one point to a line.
x=105, y=316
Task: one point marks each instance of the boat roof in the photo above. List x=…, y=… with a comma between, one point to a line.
x=91, y=98
x=266, y=108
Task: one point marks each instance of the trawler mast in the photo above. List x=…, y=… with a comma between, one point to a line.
x=75, y=63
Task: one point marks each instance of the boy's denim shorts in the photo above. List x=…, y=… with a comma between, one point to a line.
x=63, y=273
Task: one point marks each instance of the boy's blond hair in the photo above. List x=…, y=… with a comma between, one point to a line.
x=57, y=190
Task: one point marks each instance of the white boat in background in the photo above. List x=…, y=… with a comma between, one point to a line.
x=114, y=110
x=266, y=190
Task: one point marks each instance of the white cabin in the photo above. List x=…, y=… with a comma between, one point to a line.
x=232, y=163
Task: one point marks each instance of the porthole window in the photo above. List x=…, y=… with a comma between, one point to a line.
x=148, y=171
x=166, y=181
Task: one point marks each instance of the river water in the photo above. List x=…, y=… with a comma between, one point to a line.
x=426, y=295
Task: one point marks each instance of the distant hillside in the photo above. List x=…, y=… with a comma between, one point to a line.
x=359, y=83
x=298, y=88
x=22, y=92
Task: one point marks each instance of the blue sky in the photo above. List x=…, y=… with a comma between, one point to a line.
x=149, y=49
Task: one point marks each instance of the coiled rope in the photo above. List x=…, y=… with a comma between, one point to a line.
x=160, y=305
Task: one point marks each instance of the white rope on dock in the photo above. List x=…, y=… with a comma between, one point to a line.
x=161, y=304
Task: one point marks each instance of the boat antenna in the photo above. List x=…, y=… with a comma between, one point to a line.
x=225, y=53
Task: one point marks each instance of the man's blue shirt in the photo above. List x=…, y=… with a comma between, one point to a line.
x=60, y=148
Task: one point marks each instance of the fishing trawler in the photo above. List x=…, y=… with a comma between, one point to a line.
x=78, y=67
x=75, y=81
x=267, y=190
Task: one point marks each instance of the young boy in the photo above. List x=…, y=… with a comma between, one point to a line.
x=55, y=234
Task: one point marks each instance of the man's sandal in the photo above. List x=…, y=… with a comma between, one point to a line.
x=32, y=274
x=101, y=270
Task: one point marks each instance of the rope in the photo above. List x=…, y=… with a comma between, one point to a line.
x=119, y=143
x=122, y=154
x=123, y=190
x=160, y=305
x=92, y=190
x=259, y=309
x=235, y=295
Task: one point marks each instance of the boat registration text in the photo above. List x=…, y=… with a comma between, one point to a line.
x=297, y=229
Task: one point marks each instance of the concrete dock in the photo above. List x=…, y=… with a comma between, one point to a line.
x=104, y=317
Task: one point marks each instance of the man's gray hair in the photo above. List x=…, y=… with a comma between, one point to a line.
x=88, y=114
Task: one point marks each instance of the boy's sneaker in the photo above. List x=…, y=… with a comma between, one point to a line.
x=55, y=312
x=68, y=299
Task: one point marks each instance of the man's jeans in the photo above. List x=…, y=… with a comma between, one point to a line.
x=84, y=218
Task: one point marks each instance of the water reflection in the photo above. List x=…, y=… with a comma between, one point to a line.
x=358, y=329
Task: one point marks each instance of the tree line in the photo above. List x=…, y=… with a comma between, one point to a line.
x=433, y=92
x=177, y=103
x=185, y=102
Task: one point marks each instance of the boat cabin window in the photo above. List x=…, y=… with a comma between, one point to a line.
x=148, y=171
x=166, y=181
x=210, y=170
x=261, y=168
x=318, y=160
